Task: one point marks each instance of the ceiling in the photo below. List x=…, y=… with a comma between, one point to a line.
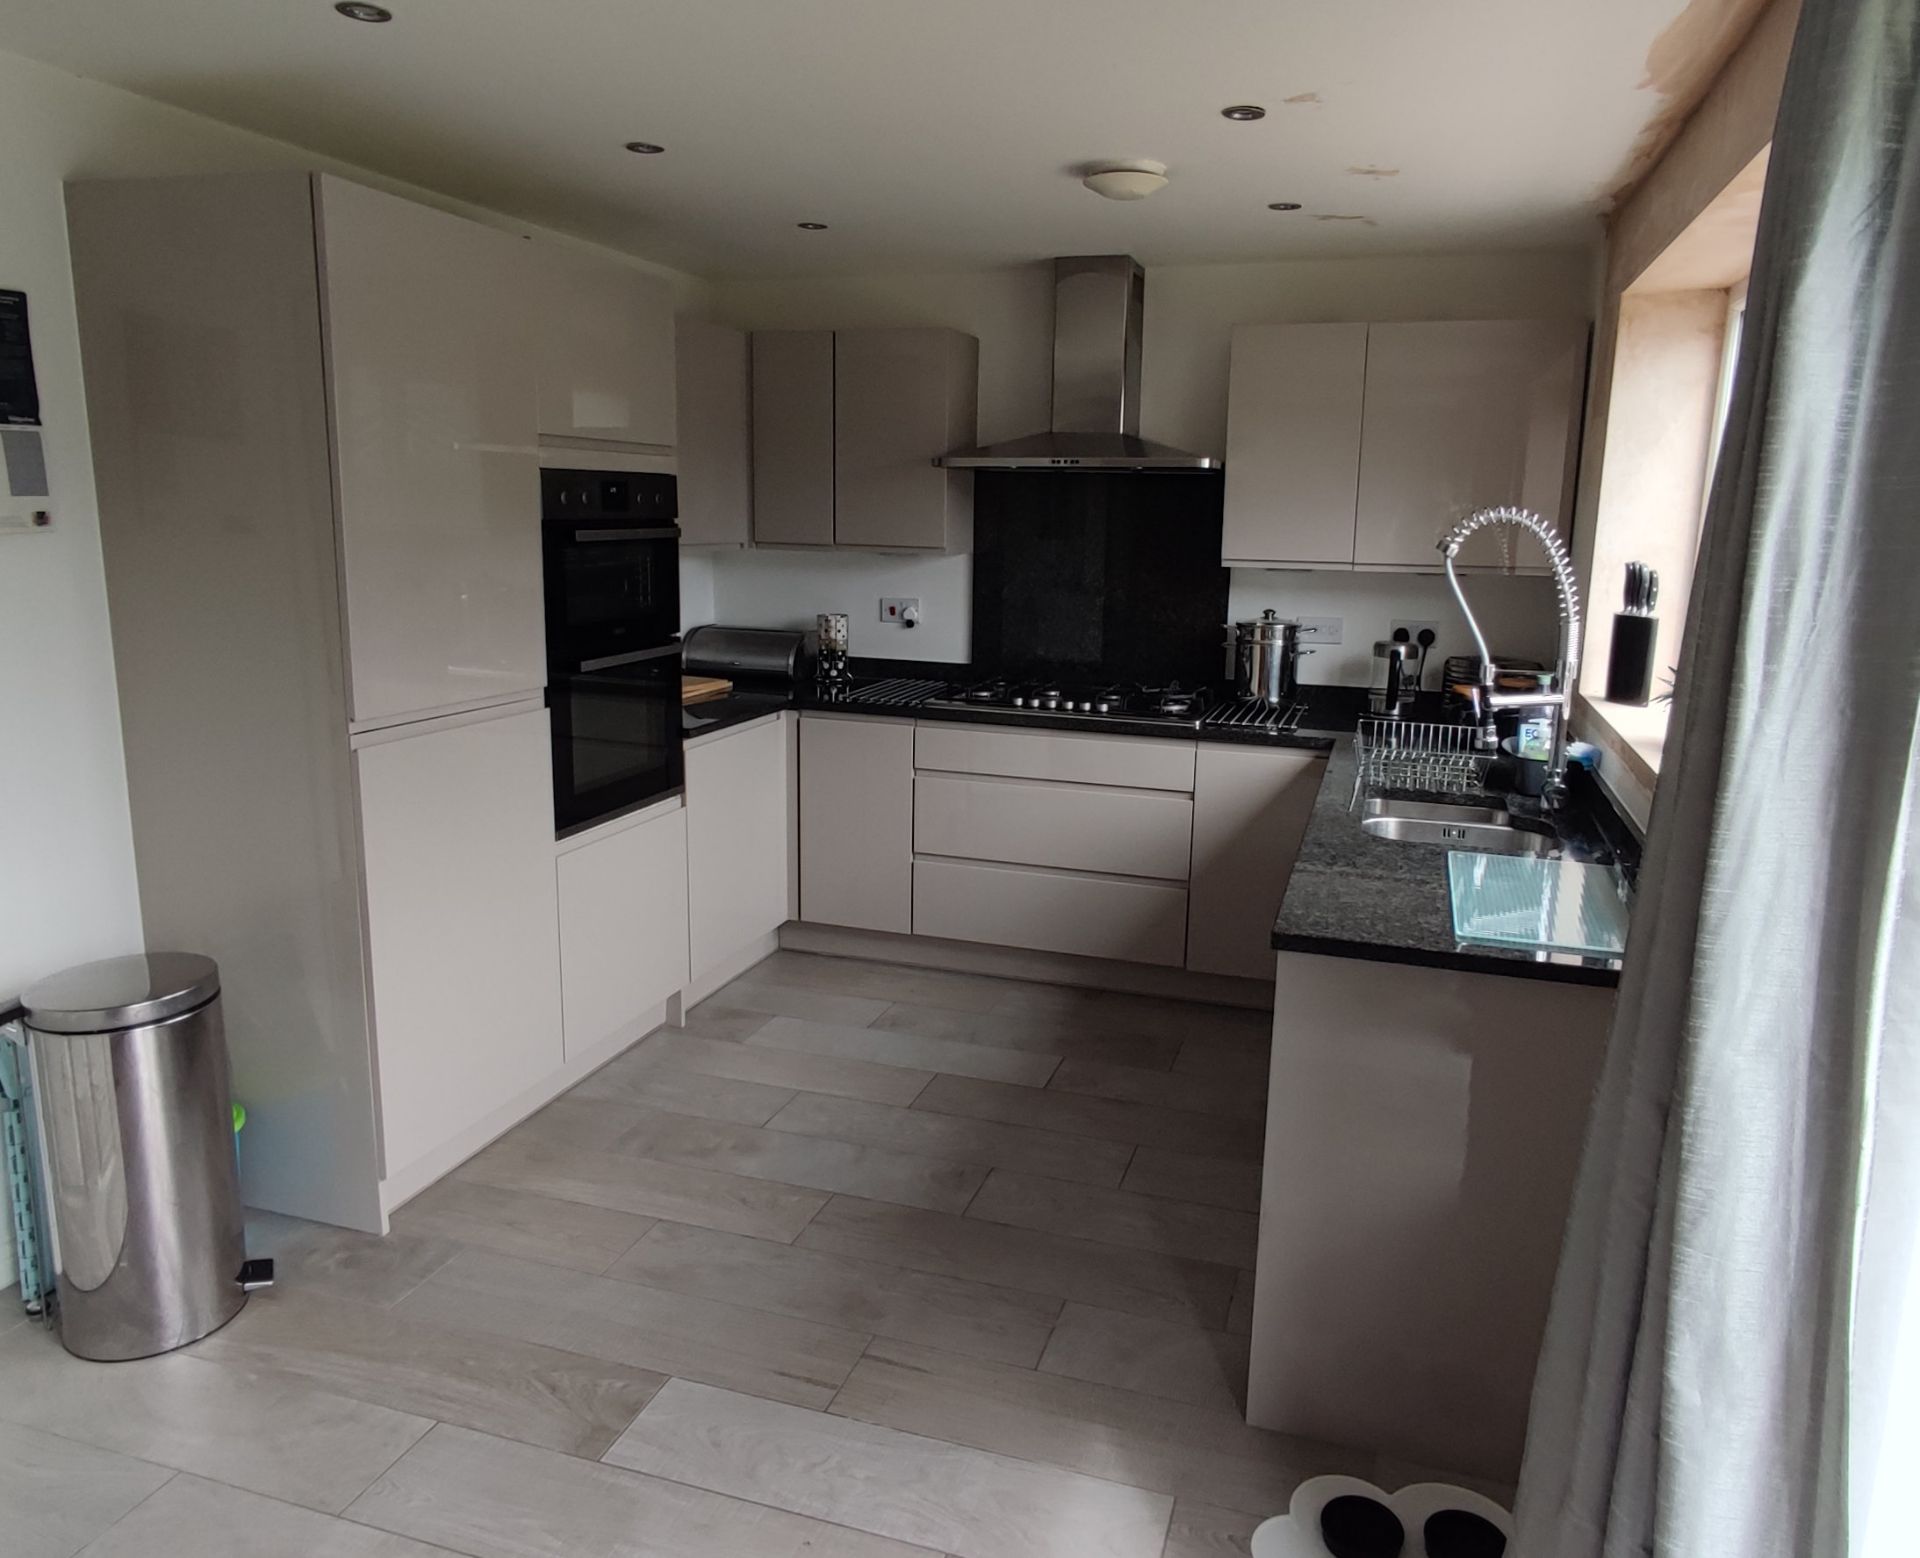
x=933, y=135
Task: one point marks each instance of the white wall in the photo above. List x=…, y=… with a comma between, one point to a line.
x=67, y=886
x=1190, y=313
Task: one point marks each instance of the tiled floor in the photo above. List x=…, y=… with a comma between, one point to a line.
x=865, y=1261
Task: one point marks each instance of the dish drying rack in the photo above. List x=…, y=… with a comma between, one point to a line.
x=1393, y=754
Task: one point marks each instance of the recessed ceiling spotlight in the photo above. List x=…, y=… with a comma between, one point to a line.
x=362, y=11
x=811, y=227
x=1243, y=113
x=1283, y=205
x=645, y=148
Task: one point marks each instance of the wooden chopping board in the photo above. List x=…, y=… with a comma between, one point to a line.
x=703, y=689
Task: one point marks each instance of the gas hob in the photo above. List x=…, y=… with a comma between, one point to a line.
x=1164, y=707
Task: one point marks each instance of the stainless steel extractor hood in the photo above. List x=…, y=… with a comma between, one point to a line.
x=1097, y=303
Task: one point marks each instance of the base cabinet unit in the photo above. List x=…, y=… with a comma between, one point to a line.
x=856, y=822
x=846, y=426
x=1250, y=811
x=737, y=840
x=623, y=930
x=457, y=828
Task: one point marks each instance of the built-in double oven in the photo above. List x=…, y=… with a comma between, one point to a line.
x=611, y=549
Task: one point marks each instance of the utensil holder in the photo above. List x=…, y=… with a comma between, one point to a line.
x=1630, y=663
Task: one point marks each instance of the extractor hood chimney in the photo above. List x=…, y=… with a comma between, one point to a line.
x=1097, y=304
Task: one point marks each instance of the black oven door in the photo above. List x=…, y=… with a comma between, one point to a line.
x=610, y=589
x=616, y=736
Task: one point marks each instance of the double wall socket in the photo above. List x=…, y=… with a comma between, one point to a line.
x=1414, y=628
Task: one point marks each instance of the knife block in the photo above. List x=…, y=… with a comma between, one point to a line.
x=1630, y=663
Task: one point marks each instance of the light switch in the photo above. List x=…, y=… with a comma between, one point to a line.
x=1321, y=630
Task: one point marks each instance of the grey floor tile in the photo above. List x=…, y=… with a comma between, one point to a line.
x=1039, y=1034
x=1135, y=1281
x=643, y=1187
x=1230, y=1027
x=194, y=1518
x=783, y=1068
x=714, y=1022
x=810, y=1162
x=777, y=1000
x=1104, y=1119
x=955, y=1137
x=645, y=1079
x=515, y=1389
x=1209, y=1233
x=893, y=1048
x=1208, y=1531
x=1198, y=1094
x=974, y=1318
x=1247, y=1065
x=1189, y=1176
x=1154, y=1357
x=1101, y=1430
x=888, y=982
x=57, y=1495
x=493, y=1499
x=362, y=1266
x=726, y=1344
x=305, y=1446
x=514, y=1222
x=914, y=1489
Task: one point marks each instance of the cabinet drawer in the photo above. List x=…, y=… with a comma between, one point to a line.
x=1139, y=763
x=1051, y=911
x=1079, y=827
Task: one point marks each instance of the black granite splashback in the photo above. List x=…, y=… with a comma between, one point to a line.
x=1099, y=574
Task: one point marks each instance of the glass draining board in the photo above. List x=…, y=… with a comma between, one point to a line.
x=1540, y=905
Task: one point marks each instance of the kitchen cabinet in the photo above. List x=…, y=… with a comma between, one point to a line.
x=846, y=426
x=1358, y=445
x=713, y=371
x=1050, y=911
x=1465, y=415
x=606, y=347
x=461, y=904
x=623, y=929
x=737, y=840
x=431, y=373
x=1294, y=405
x=856, y=822
x=1076, y=827
x=1250, y=811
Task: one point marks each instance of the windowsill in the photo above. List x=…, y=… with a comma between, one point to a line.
x=1635, y=736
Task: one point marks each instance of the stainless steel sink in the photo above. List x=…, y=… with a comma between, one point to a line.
x=1486, y=828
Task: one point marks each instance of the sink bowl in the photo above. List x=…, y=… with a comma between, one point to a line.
x=1489, y=829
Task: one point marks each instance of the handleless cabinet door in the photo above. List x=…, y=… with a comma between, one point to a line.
x=793, y=437
x=623, y=929
x=606, y=343
x=1466, y=415
x=431, y=370
x=856, y=822
x=1294, y=398
x=1250, y=810
x=901, y=398
x=462, y=924
x=737, y=840
x=714, y=372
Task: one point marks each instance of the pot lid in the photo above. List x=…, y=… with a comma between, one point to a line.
x=129, y=992
x=1268, y=626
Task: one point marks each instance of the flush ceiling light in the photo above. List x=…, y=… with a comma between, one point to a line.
x=811, y=227
x=361, y=11
x=1283, y=205
x=1243, y=113
x=645, y=148
x=1126, y=180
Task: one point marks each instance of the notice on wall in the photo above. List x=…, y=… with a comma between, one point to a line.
x=24, y=489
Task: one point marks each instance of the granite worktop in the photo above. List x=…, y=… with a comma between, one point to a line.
x=1352, y=895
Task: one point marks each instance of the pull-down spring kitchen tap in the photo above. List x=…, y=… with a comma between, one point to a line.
x=1568, y=589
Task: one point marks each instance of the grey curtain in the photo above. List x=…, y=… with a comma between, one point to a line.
x=1723, y=1370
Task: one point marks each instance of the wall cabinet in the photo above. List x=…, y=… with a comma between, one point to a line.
x=1250, y=811
x=856, y=822
x=737, y=840
x=846, y=426
x=606, y=347
x=623, y=929
x=457, y=827
x=1357, y=445
x=431, y=371
x=715, y=429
